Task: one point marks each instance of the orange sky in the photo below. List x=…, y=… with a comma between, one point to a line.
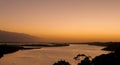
x=63, y=20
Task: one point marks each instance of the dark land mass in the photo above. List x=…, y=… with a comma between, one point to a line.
x=6, y=49
x=109, y=46
x=49, y=45
x=6, y=36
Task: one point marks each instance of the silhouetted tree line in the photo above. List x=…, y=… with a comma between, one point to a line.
x=62, y=62
x=112, y=58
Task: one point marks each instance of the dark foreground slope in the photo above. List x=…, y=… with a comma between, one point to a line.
x=112, y=58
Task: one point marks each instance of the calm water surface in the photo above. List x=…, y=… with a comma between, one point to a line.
x=49, y=55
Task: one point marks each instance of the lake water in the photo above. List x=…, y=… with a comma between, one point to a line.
x=49, y=55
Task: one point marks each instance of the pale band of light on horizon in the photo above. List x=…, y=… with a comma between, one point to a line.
x=63, y=20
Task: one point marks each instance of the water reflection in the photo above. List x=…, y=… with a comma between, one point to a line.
x=49, y=55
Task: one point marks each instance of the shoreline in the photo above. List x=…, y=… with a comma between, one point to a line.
x=109, y=46
x=7, y=49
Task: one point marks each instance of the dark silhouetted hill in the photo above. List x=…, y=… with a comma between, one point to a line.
x=6, y=36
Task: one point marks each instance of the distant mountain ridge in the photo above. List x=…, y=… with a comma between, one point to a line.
x=6, y=36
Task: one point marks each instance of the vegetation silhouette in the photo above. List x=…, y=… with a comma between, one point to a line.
x=78, y=56
x=86, y=61
x=62, y=62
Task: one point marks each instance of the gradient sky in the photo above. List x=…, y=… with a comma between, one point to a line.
x=63, y=20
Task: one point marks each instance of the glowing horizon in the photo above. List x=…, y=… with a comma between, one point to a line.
x=63, y=20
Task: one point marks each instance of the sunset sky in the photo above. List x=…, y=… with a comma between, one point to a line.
x=63, y=20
